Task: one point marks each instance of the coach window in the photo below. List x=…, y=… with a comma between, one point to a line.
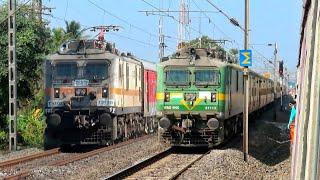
x=120, y=70
x=136, y=74
x=237, y=81
x=127, y=76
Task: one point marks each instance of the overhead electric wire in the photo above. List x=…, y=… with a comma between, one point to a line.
x=191, y=27
x=229, y=17
x=136, y=40
x=115, y=34
x=216, y=26
x=125, y=21
x=4, y=19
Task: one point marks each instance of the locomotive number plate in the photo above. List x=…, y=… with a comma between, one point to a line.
x=55, y=103
x=80, y=82
x=171, y=107
x=105, y=102
x=210, y=108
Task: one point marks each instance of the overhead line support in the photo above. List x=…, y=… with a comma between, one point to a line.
x=12, y=75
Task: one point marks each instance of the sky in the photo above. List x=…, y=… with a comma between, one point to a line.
x=271, y=21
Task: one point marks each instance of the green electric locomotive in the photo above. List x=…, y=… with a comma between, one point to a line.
x=200, y=97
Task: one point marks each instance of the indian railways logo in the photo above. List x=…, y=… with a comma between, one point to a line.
x=190, y=105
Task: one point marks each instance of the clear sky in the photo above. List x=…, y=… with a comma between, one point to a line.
x=271, y=21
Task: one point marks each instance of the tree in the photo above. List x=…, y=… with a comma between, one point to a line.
x=73, y=29
x=60, y=35
x=32, y=40
x=206, y=42
x=234, y=52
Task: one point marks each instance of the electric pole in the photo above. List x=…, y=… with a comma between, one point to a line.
x=246, y=82
x=275, y=80
x=183, y=21
x=161, y=39
x=37, y=8
x=12, y=75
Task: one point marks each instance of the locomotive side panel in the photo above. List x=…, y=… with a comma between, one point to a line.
x=126, y=86
x=150, y=79
x=234, y=90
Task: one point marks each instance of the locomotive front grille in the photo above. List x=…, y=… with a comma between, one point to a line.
x=194, y=139
x=80, y=102
x=96, y=137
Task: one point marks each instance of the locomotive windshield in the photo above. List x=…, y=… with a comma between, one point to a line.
x=206, y=77
x=177, y=77
x=96, y=71
x=66, y=70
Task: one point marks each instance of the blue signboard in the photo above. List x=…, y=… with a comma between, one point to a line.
x=245, y=58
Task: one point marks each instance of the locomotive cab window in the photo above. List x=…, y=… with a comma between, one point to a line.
x=96, y=71
x=206, y=77
x=176, y=77
x=66, y=70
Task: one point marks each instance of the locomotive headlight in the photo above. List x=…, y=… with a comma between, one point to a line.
x=164, y=123
x=213, y=123
x=213, y=97
x=166, y=97
x=105, y=92
x=56, y=93
x=80, y=91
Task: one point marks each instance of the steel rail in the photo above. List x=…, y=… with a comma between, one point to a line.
x=139, y=165
x=188, y=166
x=62, y=162
x=21, y=175
x=29, y=158
x=97, y=151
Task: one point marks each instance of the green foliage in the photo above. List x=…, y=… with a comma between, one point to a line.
x=73, y=29
x=4, y=134
x=31, y=126
x=3, y=139
x=60, y=35
x=206, y=42
x=234, y=52
x=31, y=48
x=32, y=44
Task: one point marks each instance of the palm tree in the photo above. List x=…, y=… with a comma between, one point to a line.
x=73, y=29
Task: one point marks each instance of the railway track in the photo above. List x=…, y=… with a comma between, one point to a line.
x=165, y=165
x=16, y=161
x=67, y=160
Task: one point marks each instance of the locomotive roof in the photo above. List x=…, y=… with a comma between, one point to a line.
x=205, y=62
x=101, y=56
x=96, y=56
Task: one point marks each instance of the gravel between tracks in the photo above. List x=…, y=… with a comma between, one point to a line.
x=101, y=165
x=269, y=154
x=164, y=168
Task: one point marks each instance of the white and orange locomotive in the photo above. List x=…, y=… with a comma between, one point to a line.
x=96, y=95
